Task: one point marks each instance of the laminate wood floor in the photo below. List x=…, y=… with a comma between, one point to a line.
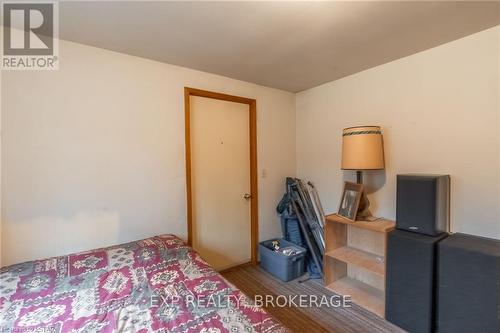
x=252, y=280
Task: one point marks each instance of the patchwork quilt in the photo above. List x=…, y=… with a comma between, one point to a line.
x=157, y=284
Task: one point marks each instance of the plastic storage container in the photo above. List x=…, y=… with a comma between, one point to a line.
x=283, y=267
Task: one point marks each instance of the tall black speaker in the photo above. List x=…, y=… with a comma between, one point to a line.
x=469, y=285
x=423, y=203
x=410, y=280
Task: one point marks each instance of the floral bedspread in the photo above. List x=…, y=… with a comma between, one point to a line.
x=157, y=284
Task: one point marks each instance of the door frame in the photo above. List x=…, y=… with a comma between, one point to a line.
x=254, y=200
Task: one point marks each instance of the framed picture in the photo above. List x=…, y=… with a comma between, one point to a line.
x=349, y=202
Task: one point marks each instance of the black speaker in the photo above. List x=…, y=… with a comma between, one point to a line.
x=423, y=203
x=469, y=285
x=410, y=280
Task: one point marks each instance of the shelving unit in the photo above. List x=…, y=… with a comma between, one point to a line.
x=355, y=260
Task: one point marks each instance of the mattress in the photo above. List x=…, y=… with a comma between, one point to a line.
x=157, y=284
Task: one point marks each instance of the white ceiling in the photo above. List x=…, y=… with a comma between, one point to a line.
x=287, y=45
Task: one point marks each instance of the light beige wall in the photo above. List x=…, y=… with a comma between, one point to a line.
x=1, y=31
x=439, y=110
x=93, y=154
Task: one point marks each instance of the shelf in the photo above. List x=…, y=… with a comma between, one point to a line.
x=382, y=225
x=359, y=258
x=362, y=294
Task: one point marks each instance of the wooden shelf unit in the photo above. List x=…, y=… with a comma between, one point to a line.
x=355, y=260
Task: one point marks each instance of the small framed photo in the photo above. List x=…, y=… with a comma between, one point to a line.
x=349, y=202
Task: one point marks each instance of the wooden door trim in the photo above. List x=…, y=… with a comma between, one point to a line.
x=254, y=201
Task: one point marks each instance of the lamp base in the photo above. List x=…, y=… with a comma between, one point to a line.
x=363, y=213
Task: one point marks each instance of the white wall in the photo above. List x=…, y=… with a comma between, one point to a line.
x=439, y=111
x=93, y=154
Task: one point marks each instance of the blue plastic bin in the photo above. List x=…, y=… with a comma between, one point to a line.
x=283, y=267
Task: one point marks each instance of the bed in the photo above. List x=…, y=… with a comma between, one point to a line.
x=157, y=284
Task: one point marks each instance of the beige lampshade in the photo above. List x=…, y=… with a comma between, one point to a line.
x=362, y=148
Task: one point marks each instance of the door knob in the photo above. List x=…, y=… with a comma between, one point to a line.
x=247, y=196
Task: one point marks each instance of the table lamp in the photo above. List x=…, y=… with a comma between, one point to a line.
x=362, y=149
